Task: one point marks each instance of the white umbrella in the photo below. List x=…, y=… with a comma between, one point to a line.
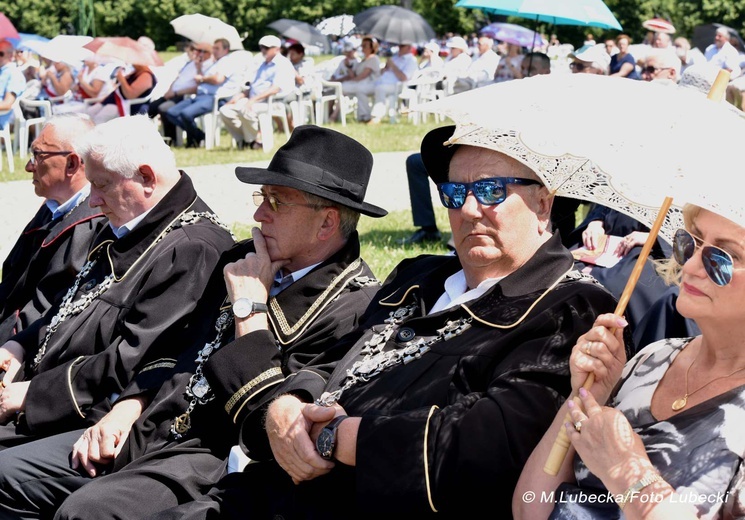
x=63, y=47
x=664, y=145
x=339, y=25
x=200, y=28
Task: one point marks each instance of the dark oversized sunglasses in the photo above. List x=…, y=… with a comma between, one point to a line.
x=718, y=263
x=489, y=191
x=651, y=69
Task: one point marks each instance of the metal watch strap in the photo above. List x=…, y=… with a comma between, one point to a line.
x=636, y=488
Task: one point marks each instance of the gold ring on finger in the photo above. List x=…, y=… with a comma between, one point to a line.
x=578, y=426
x=588, y=348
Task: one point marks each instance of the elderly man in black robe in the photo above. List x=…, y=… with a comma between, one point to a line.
x=54, y=244
x=126, y=314
x=298, y=286
x=438, y=398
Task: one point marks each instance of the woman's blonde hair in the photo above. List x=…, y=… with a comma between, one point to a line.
x=668, y=269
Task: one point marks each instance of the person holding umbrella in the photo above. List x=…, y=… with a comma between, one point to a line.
x=669, y=438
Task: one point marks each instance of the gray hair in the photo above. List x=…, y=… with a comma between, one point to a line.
x=348, y=217
x=124, y=144
x=666, y=59
x=70, y=129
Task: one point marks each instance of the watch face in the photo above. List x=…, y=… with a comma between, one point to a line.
x=242, y=307
x=325, y=443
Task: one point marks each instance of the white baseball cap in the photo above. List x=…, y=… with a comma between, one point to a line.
x=457, y=42
x=270, y=41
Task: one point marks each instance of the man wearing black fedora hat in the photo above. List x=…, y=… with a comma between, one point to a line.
x=435, y=402
x=298, y=286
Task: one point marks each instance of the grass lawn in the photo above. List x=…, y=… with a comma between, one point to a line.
x=385, y=137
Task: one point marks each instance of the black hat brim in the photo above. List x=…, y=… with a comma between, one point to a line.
x=436, y=155
x=261, y=176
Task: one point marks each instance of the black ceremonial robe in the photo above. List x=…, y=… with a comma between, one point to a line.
x=94, y=356
x=451, y=430
x=155, y=470
x=43, y=264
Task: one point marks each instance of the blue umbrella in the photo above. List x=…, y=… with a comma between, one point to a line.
x=514, y=34
x=26, y=38
x=592, y=13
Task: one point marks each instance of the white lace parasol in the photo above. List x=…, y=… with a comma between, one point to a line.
x=622, y=143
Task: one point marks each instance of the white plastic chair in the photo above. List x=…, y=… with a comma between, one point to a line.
x=274, y=108
x=23, y=125
x=5, y=135
x=323, y=101
x=424, y=83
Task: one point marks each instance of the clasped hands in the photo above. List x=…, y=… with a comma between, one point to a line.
x=293, y=427
x=12, y=395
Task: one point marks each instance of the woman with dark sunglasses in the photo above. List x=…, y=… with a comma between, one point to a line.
x=669, y=443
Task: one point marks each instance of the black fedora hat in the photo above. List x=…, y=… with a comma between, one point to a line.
x=436, y=155
x=323, y=162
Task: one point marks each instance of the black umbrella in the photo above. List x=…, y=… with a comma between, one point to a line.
x=394, y=24
x=302, y=32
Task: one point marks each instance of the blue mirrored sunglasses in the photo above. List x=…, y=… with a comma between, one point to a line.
x=488, y=191
x=718, y=263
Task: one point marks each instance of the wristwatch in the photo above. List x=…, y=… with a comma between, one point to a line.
x=244, y=307
x=326, y=441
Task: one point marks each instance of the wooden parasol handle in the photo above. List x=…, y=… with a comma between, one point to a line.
x=561, y=444
x=719, y=87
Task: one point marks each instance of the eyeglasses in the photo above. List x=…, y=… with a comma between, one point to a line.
x=718, y=263
x=651, y=69
x=39, y=155
x=275, y=204
x=489, y=191
x=577, y=66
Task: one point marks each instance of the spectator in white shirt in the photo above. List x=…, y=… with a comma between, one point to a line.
x=722, y=53
x=399, y=69
x=431, y=57
x=482, y=68
x=457, y=62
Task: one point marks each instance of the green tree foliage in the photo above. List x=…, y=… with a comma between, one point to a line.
x=151, y=17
